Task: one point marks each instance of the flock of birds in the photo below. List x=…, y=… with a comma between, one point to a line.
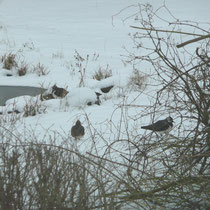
x=78, y=131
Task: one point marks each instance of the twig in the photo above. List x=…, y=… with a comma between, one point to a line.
x=184, y=73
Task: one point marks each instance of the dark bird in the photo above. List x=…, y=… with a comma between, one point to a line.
x=98, y=101
x=107, y=89
x=77, y=131
x=161, y=125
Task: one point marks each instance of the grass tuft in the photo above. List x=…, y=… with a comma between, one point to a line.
x=102, y=73
x=9, y=61
x=40, y=70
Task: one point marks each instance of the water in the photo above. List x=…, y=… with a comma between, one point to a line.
x=7, y=92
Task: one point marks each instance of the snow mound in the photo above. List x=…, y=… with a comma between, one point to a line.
x=18, y=103
x=78, y=97
x=120, y=80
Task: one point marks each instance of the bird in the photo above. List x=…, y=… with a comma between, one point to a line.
x=77, y=131
x=107, y=89
x=59, y=92
x=161, y=125
x=98, y=101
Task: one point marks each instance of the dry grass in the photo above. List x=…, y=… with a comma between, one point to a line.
x=33, y=109
x=9, y=61
x=102, y=73
x=40, y=70
x=22, y=70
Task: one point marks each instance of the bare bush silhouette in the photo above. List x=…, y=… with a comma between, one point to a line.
x=171, y=171
x=46, y=175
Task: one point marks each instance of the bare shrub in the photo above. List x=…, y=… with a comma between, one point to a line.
x=170, y=171
x=48, y=176
x=12, y=179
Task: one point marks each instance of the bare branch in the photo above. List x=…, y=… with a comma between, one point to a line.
x=193, y=40
x=166, y=31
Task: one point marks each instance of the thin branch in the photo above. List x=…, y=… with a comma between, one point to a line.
x=185, y=181
x=193, y=40
x=165, y=31
x=184, y=73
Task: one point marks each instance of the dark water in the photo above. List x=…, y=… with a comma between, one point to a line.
x=7, y=92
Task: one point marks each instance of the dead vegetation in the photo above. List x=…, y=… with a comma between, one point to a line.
x=32, y=109
x=136, y=80
x=9, y=61
x=40, y=70
x=12, y=62
x=102, y=73
x=23, y=69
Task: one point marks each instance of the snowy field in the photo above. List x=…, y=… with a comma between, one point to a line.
x=65, y=42
x=49, y=33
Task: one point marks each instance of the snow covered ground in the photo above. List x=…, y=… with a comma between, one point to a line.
x=65, y=42
x=48, y=32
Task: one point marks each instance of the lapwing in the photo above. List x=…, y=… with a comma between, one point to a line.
x=161, y=125
x=77, y=131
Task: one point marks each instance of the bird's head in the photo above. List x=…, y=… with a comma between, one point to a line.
x=78, y=123
x=170, y=119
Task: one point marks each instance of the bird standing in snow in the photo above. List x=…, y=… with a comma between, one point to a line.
x=77, y=131
x=161, y=125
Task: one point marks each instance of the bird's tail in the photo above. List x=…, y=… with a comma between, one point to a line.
x=145, y=127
